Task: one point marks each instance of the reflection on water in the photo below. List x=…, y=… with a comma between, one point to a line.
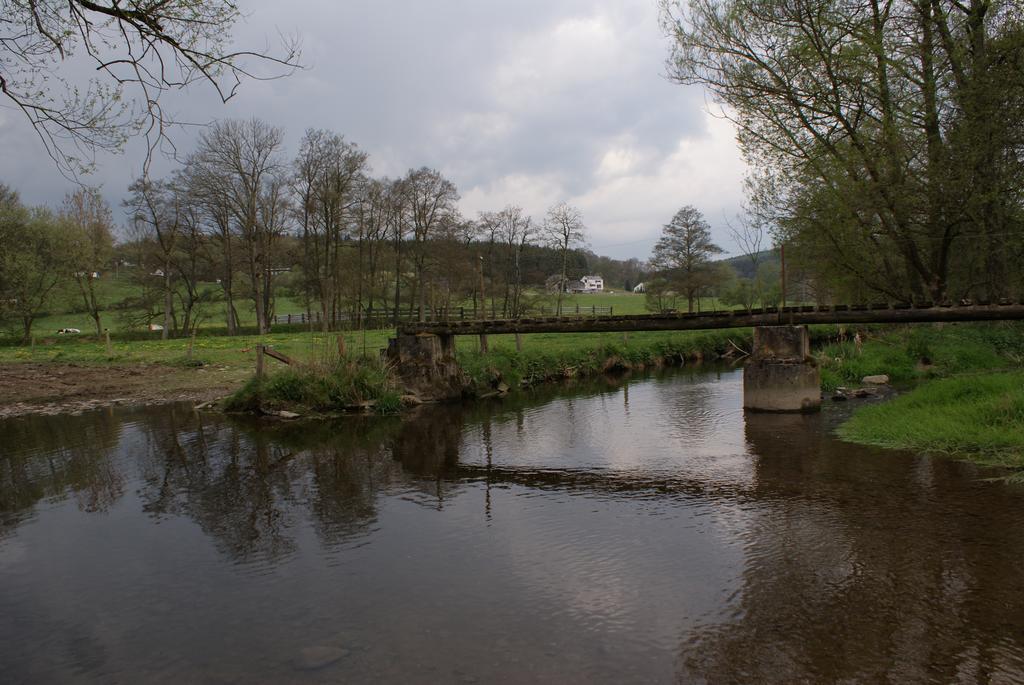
x=641, y=530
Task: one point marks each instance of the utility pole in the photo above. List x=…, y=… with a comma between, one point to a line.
x=782, y=255
x=482, y=298
x=483, y=337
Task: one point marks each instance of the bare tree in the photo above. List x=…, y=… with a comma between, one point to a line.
x=209, y=193
x=564, y=229
x=375, y=215
x=514, y=229
x=139, y=49
x=398, y=222
x=243, y=157
x=273, y=219
x=430, y=203
x=327, y=181
x=154, y=212
x=749, y=233
x=190, y=257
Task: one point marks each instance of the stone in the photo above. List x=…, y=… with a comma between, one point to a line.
x=865, y=392
x=426, y=366
x=319, y=656
x=782, y=386
x=880, y=379
x=781, y=342
x=410, y=400
x=781, y=376
x=282, y=414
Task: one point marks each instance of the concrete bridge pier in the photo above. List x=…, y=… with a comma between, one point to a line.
x=426, y=365
x=781, y=375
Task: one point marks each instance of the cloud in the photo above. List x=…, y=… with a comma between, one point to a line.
x=526, y=102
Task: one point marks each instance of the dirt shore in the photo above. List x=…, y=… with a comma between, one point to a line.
x=53, y=388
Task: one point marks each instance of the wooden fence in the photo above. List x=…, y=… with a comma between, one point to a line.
x=386, y=318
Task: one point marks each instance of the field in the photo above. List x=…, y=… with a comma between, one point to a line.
x=66, y=310
x=239, y=352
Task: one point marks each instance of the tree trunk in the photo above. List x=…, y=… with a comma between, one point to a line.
x=89, y=298
x=421, y=288
x=254, y=280
x=398, y=279
x=168, y=302
x=561, y=283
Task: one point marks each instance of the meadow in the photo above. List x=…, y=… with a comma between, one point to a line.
x=116, y=294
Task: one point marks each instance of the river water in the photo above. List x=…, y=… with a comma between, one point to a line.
x=639, y=530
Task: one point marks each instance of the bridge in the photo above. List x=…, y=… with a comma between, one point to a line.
x=772, y=316
x=780, y=375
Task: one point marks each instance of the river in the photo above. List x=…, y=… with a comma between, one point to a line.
x=613, y=531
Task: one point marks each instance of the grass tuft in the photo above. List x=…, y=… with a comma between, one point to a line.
x=343, y=385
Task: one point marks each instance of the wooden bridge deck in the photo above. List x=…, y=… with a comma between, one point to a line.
x=838, y=314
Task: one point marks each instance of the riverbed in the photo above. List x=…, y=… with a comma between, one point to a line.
x=638, y=529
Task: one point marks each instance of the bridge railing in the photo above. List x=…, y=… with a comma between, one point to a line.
x=382, y=318
x=385, y=318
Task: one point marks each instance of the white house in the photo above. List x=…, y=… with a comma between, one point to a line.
x=592, y=283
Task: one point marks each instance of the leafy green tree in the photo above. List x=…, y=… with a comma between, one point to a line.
x=683, y=254
x=90, y=244
x=659, y=296
x=884, y=135
x=34, y=261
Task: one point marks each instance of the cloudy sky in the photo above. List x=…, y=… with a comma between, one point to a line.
x=525, y=102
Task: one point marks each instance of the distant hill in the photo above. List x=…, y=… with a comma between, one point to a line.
x=745, y=268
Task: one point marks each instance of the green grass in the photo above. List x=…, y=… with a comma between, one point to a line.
x=327, y=385
x=67, y=311
x=237, y=351
x=911, y=353
x=969, y=401
x=552, y=355
x=339, y=385
x=620, y=302
x=977, y=417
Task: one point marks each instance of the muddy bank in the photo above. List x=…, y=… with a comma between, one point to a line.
x=50, y=388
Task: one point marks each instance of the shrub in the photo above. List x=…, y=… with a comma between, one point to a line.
x=332, y=387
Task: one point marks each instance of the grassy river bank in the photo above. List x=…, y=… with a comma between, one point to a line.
x=963, y=390
x=962, y=386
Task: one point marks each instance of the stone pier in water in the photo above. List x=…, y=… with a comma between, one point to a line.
x=781, y=375
x=426, y=365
